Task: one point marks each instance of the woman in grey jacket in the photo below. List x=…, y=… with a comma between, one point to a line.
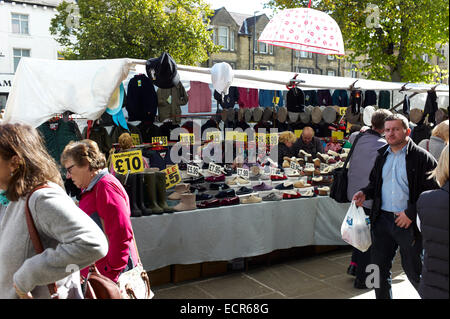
x=437, y=141
x=70, y=238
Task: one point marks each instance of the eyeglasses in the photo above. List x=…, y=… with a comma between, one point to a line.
x=69, y=169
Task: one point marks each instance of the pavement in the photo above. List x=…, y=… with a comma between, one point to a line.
x=318, y=277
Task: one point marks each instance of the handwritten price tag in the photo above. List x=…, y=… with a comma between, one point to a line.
x=128, y=161
x=260, y=138
x=161, y=140
x=193, y=170
x=275, y=171
x=243, y=172
x=309, y=165
x=216, y=137
x=136, y=139
x=295, y=166
x=342, y=110
x=215, y=169
x=173, y=176
x=272, y=139
x=187, y=138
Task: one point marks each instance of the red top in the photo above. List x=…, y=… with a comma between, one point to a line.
x=248, y=98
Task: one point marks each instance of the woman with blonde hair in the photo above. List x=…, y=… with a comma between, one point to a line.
x=432, y=212
x=437, y=141
x=285, y=142
x=69, y=236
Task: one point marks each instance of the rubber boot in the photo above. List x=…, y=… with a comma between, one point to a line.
x=131, y=188
x=161, y=192
x=141, y=195
x=150, y=186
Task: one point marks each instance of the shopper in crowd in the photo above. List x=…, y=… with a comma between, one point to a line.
x=361, y=163
x=105, y=200
x=432, y=213
x=399, y=176
x=308, y=143
x=68, y=236
x=285, y=142
x=437, y=141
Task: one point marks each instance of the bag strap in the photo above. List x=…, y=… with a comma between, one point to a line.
x=428, y=145
x=352, y=148
x=36, y=240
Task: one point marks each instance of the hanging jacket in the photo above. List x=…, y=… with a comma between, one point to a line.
x=431, y=107
x=311, y=97
x=57, y=135
x=355, y=101
x=266, y=98
x=118, y=130
x=324, y=97
x=142, y=101
x=229, y=100
x=406, y=105
x=370, y=98
x=384, y=100
x=200, y=97
x=100, y=135
x=248, y=98
x=340, y=98
x=148, y=131
x=166, y=128
x=170, y=101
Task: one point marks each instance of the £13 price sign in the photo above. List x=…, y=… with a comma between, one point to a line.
x=128, y=161
x=173, y=176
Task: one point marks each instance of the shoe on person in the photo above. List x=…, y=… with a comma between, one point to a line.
x=351, y=270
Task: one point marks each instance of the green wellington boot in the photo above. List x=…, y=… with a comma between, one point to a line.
x=151, y=196
x=161, y=192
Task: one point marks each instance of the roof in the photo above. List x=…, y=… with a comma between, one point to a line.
x=48, y=3
x=244, y=21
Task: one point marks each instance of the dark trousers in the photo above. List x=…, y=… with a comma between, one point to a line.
x=386, y=238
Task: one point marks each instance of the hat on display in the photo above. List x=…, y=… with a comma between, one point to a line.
x=257, y=114
x=282, y=114
x=316, y=115
x=241, y=113
x=351, y=117
x=231, y=115
x=163, y=71
x=305, y=117
x=329, y=115
x=222, y=77
x=367, y=115
x=293, y=116
x=415, y=115
x=247, y=115
x=267, y=114
x=224, y=115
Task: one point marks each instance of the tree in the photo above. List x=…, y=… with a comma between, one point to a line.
x=387, y=39
x=141, y=29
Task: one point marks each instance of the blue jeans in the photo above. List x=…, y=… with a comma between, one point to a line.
x=387, y=237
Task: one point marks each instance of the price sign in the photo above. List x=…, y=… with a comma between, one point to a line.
x=173, y=176
x=323, y=166
x=243, y=172
x=309, y=165
x=193, y=170
x=241, y=137
x=128, y=161
x=298, y=133
x=216, y=137
x=342, y=110
x=161, y=140
x=295, y=166
x=349, y=126
x=136, y=139
x=272, y=139
x=276, y=100
x=338, y=134
x=187, y=138
x=214, y=169
x=260, y=138
x=275, y=171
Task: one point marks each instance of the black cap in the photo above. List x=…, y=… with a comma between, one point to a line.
x=165, y=75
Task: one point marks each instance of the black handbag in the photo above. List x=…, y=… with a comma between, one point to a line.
x=338, y=189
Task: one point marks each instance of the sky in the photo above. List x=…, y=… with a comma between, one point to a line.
x=241, y=6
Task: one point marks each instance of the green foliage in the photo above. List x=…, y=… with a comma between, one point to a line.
x=392, y=49
x=138, y=29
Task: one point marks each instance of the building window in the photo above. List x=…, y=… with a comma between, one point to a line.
x=331, y=73
x=232, y=41
x=19, y=23
x=304, y=70
x=442, y=60
x=331, y=57
x=425, y=58
x=262, y=48
x=271, y=49
x=303, y=54
x=223, y=37
x=18, y=54
x=354, y=71
x=264, y=67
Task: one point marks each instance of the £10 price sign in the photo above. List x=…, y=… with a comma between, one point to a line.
x=128, y=161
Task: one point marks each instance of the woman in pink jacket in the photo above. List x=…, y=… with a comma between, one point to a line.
x=105, y=200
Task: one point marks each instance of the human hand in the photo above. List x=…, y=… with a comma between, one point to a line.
x=21, y=294
x=359, y=198
x=402, y=220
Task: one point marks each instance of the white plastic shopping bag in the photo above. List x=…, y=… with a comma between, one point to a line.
x=355, y=228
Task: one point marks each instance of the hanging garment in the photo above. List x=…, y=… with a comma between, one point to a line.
x=406, y=105
x=266, y=98
x=311, y=97
x=166, y=128
x=340, y=98
x=118, y=130
x=248, y=98
x=324, y=97
x=355, y=101
x=148, y=131
x=431, y=107
x=170, y=102
x=295, y=100
x=142, y=101
x=229, y=101
x=384, y=100
x=100, y=135
x=199, y=97
x=370, y=98
x=57, y=135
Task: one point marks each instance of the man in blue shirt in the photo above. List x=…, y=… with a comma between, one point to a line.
x=400, y=174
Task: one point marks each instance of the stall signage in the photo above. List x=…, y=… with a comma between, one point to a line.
x=272, y=139
x=161, y=140
x=173, y=176
x=298, y=133
x=187, y=138
x=216, y=137
x=295, y=166
x=214, y=169
x=243, y=172
x=338, y=134
x=128, y=162
x=136, y=139
x=193, y=170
